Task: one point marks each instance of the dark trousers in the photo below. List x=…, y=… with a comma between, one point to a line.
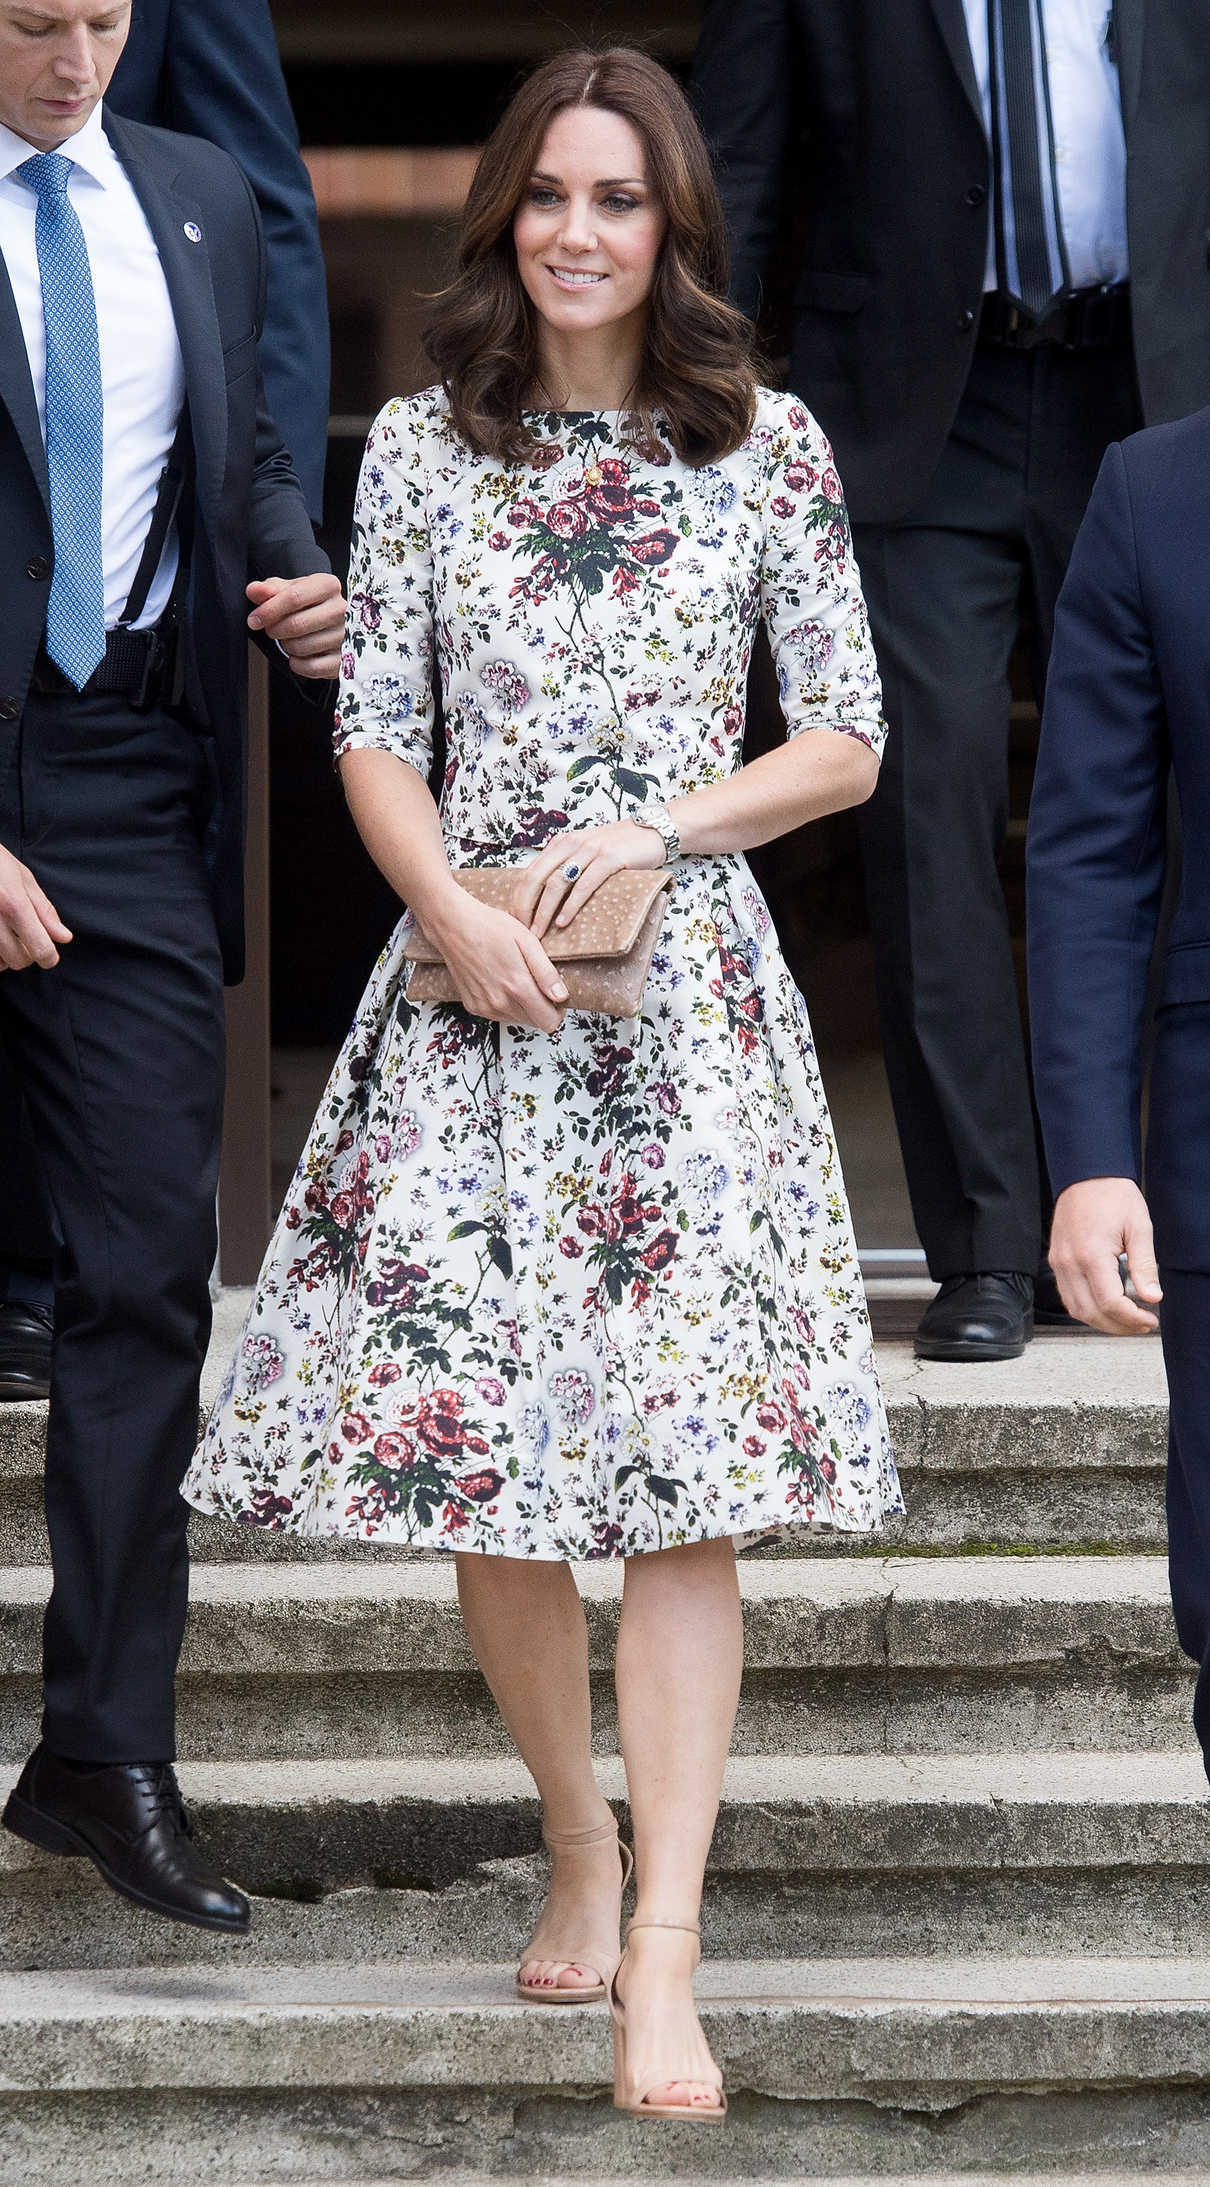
x=945, y=594
x=119, y=1053
x=27, y=1244
x=1185, y=1327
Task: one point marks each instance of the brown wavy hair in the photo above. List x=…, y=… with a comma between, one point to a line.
x=698, y=370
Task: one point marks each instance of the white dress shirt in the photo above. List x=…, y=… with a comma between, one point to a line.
x=1090, y=142
x=142, y=375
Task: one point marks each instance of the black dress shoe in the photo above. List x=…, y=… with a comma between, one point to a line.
x=25, y=1334
x=988, y=1316
x=129, y=1821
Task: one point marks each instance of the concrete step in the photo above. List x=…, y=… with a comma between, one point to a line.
x=1063, y=1449
x=834, y=2068
x=817, y=1856
x=906, y=1655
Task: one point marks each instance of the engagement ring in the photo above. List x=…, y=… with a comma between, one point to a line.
x=571, y=871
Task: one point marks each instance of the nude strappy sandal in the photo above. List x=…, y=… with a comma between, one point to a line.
x=552, y=1993
x=631, y=2089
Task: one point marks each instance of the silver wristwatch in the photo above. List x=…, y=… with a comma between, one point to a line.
x=659, y=818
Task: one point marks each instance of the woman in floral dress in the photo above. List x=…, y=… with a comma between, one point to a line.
x=551, y=1286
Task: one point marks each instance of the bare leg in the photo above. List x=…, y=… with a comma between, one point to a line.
x=680, y=1657
x=525, y=1622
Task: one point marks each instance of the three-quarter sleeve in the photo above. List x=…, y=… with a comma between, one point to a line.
x=386, y=700
x=811, y=596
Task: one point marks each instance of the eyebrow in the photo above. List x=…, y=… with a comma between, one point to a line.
x=607, y=182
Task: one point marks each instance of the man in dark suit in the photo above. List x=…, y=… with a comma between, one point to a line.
x=141, y=485
x=210, y=68
x=1127, y=700
x=996, y=216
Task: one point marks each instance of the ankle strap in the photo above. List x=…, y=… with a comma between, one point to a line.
x=688, y=1928
x=598, y=1834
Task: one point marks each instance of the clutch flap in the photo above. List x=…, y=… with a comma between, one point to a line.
x=612, y=919
x=608, y=926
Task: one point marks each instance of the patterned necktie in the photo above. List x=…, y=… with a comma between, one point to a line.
x=1029, y=244
x=75, y=621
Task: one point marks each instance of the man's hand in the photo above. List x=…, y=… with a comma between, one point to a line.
x=1095, y=1222
x=306, y=617
x=30, y=927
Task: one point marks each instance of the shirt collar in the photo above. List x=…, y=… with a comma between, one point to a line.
x=89, y=148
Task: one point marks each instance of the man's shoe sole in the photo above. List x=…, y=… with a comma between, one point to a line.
x=23, y=1386
x=56, y=1837
x=955, y=1348
x=970, y=1352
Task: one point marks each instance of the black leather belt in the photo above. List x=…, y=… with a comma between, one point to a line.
x=1089, y=319
x=138, y=665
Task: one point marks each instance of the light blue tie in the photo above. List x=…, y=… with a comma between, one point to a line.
x=75, y=622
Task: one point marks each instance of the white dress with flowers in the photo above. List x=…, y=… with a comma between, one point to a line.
x=594, y=1292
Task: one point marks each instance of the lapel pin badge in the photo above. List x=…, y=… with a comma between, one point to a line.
x=193, y=232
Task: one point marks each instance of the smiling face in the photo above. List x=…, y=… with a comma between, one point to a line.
x=589, y=228
x=56, y=59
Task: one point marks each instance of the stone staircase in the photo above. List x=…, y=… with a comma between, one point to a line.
x=958, y=1910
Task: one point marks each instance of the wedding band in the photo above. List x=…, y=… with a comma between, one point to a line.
x=571, y=871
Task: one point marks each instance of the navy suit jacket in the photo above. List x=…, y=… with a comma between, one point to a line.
x=245, y=514
x=1128, y=696
x=211, y=68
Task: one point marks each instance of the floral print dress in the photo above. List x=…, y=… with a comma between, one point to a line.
x=590, y=1293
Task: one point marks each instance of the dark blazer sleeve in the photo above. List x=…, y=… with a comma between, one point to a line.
x=222, y=79
x=1096, y=849
x=741, y=87
x=281, y=537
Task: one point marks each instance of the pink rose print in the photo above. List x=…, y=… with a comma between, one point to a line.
x=567, y=520
x=393, y=1450
x=661, y=1251
x=481, y=1487
x=653, y=547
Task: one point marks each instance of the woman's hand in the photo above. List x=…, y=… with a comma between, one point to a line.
x=544, y=895
x=501, y=970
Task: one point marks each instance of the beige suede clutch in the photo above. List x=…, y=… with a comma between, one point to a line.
x=604, y=955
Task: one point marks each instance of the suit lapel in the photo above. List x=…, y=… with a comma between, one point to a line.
x=951, y=22
x=17, y=387
x=1128, y=47
x=172, y=218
